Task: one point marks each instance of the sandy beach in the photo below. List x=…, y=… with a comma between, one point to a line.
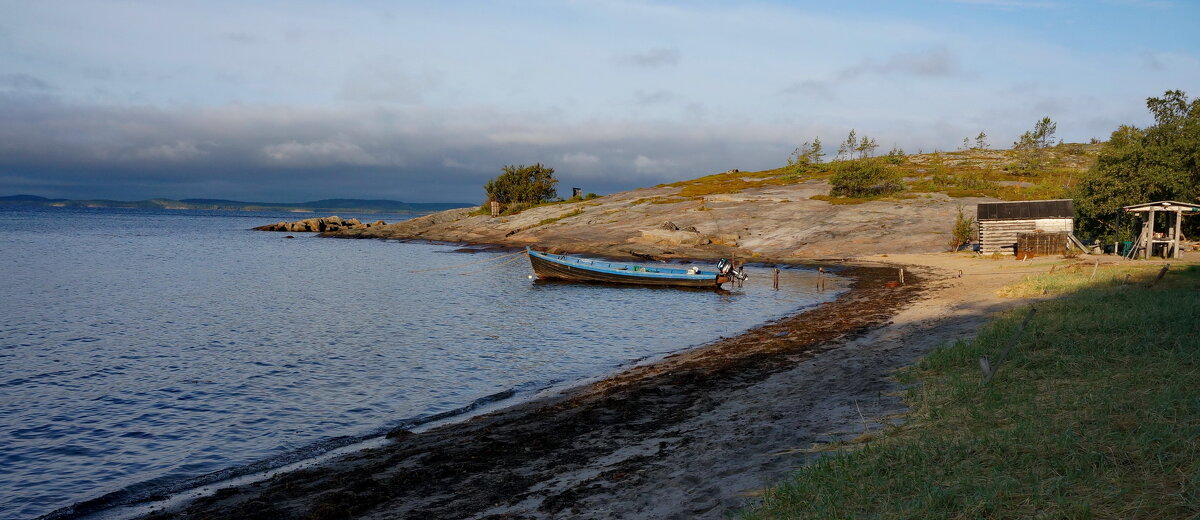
x=696, y=435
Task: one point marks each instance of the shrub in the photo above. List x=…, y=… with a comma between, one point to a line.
x=864, y=178
x=963, y=232
x=528, y=185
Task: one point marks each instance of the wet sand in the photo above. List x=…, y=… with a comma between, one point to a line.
x=693, y=436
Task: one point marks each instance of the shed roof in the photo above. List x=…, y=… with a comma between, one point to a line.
x=1028, y=209
x=1165, y=205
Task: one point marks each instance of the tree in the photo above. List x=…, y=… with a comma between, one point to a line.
x=981, y=141
x=807, y=153
x=522, y=185
x=1043, y=132
x=1161, y=162
x=1031, y=147
x=866, y=147
x=846, y=149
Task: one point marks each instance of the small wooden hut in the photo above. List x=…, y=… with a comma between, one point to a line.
x=1168, y=241
x=1001, y=224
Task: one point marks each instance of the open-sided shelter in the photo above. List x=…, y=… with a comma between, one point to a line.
x=1166, y=215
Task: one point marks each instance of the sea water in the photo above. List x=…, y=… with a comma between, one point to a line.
x=142, y=348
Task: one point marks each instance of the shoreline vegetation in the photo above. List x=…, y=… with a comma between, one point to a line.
x=1094, y=415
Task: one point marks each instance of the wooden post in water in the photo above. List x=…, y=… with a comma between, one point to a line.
x=776, y=278
x=820, y=278
x=901, y=276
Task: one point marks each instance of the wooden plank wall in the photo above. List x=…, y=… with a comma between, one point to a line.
x=1000, y=236
x=1041, y=244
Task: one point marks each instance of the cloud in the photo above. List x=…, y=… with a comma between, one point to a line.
x=643, y=164
x=811, y=88
x=385, y=79
x=396, y=151
x=659, y=57
x=178, y=151
x=653, y=98
x=580, y=159
x=937, y=62
x=23, y=82
x=321, y=153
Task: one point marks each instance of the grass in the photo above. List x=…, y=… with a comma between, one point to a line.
x=1079, y=276
x=551, y=220
x=1095, y=414
x=964, y=173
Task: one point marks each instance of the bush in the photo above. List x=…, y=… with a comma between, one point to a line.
x=864, y=178
x=963, y=232
x=528, y=185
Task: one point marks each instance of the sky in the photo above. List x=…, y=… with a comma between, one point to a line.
x=425, y=101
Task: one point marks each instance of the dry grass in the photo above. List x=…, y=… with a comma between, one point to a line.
x=551, y=220
x=1074, y=277
x=966, y=173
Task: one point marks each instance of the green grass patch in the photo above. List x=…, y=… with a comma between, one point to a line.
x=1095, y=414
x=551, y=220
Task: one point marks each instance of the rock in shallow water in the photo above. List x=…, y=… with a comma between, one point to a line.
x=318, y=225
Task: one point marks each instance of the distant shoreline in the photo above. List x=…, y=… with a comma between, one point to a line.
x=325, y=205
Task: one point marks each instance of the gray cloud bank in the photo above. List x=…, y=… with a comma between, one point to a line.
x=52, y=148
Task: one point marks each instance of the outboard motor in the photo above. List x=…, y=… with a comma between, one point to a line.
x=724, y=266
x=726, y=269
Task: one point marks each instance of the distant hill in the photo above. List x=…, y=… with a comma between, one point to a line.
x=343, y=205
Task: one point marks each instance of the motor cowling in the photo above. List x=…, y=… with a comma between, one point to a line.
x=725, y=268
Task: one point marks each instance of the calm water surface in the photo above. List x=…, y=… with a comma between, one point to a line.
x=152, y=346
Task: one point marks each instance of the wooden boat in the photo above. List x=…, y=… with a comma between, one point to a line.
x=562, y=267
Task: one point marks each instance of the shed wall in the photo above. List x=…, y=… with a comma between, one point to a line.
x=1000, y=236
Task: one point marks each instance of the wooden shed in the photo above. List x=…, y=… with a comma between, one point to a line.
x=1167, y=242
x=1001, y=223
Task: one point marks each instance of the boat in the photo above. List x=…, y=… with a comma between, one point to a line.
x=562, y=267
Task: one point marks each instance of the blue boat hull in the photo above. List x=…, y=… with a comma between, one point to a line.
x=562, y=267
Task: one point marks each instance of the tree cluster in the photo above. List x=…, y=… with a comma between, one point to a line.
x=853, y=145
x=1031, y=147
x=1161, y=162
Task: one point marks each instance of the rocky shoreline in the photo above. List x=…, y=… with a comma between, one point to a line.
x=321, y=225
x=771, y=223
